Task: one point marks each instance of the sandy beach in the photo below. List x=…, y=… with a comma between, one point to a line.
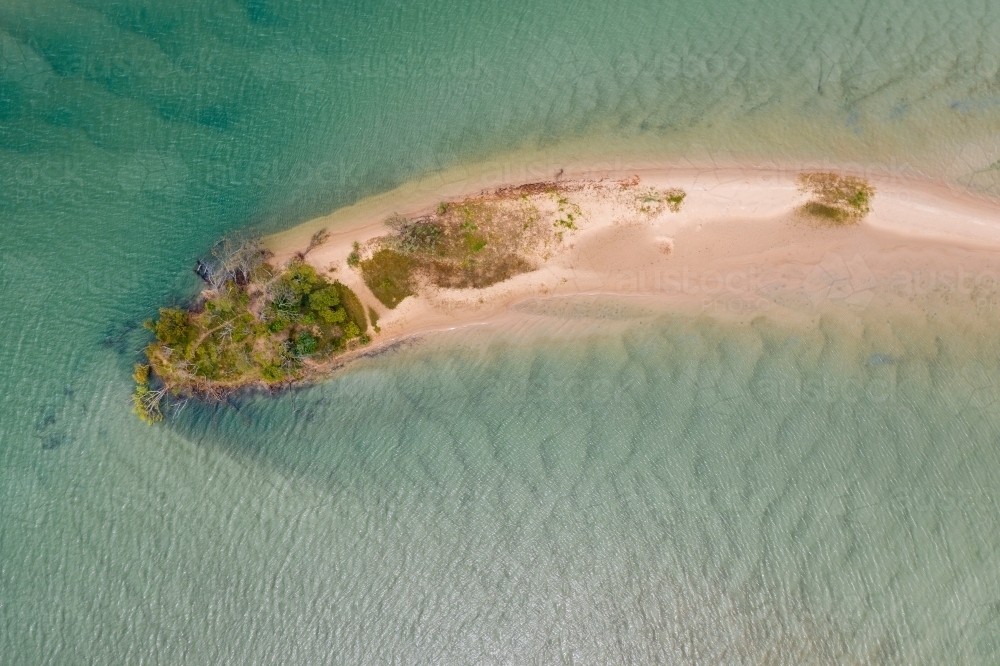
x=738, y=248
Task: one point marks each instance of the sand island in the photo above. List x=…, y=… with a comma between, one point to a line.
x=290, y=308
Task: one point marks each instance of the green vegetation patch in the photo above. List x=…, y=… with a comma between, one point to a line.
x=469, y=244
x=389, y=275
x=414, y=235
x=352, y=306
x=270, y=327
x=146, y=401
x=569, y=212
x=835, y=199
x=674, y=198
x=652, y=201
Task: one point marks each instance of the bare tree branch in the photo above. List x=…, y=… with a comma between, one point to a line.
x=317, y=239
x=237, y=257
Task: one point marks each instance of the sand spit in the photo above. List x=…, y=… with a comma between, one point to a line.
x=736, y=246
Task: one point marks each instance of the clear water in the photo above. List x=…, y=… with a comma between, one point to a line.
x=665, y=489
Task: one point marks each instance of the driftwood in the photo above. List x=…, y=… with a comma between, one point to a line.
x=202, y=270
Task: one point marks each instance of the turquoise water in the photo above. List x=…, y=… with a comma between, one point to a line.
x=664, y=489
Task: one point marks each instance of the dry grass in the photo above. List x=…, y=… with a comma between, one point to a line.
x=477, y=274
x=836, y=200
x=469, y=244
x=389, y=274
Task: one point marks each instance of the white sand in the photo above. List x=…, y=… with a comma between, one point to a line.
x=737, y=248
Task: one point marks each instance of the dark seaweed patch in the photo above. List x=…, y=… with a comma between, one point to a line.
x=54, y=440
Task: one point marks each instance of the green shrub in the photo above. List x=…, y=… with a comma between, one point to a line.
x=279, y=324
x=324, y=299
x=305, y=344
x=334, y=316
x=146, y=404
x=272, y=373
x=675, y=198
x=173, y=327
x=145, y=401
x=354, y=258
x=141, y=373
x=352, y=304
x=303, y=279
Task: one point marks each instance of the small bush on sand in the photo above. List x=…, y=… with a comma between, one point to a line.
x=835, y=199
x=414, y=235
x=675, y=198
x=354, y=258
x=652, y=201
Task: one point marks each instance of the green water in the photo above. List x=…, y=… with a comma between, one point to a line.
x=616, y=491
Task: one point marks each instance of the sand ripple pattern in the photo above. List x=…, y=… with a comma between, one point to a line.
x=679, y=492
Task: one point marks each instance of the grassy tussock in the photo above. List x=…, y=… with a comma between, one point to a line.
x=652, y=201
x=836, y=200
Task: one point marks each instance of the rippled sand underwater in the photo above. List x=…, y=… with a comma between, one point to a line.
x=596, y=487
x=627, y=487
x=605, y=488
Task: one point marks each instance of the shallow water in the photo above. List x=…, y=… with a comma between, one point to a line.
x=619, y=487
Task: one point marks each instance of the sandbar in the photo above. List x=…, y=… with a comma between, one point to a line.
x=738, y=248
